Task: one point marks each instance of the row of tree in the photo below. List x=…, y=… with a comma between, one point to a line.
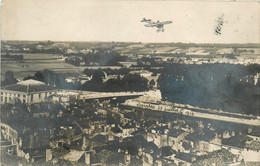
x=9, y=79
x=73, y=60
x=130, y=82
x=227, y=87
x=15, y=57
x=102, y=57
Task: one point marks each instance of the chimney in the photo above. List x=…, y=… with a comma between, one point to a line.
x=87, y=158
x=127, y=157
x=48, y=155
x=84, y=146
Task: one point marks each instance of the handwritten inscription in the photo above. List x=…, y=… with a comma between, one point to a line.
x=219, y=26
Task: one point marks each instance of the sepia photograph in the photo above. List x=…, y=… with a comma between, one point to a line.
x=130, y=83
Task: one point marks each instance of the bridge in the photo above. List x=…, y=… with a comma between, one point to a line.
x=199, y=113
x=97, y=95
x=87, y=95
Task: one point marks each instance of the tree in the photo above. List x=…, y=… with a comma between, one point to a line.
x=9, y=78
x=37, y=76
x=134, y=82
x=98, y=76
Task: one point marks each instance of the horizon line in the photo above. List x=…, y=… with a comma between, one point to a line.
x=120, y=42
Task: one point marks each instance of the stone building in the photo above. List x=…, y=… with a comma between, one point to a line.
x=27, y=92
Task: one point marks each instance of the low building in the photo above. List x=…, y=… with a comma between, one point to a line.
x=158, y=136
x=175, y=138
x=185, y=158
x=204, y=141
x=65, y=96
x=9, y=140
x=27, y=92
x=127, y=130
x=197, y=53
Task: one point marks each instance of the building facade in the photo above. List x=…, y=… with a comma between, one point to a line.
x=27, y=92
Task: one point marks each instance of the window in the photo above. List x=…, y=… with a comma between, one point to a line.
x=31, y=97
x=23, y=96
x=18, y=95
x=1, y=98
x=1, y=93
x=60, y=144
x=39, y=95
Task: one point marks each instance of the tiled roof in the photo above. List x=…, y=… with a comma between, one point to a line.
x=200, y=136
x=116, y=129
x=186, y=156
x=238, y=141
x=73, y=155
x=30, y=82
x=175, y=132
x=28, y=87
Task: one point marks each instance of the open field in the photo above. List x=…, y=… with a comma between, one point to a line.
x=39, y=61
x=33, y=63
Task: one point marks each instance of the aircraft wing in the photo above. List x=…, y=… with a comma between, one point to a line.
x=150, y=22
x=150, y=25
x=165, y=22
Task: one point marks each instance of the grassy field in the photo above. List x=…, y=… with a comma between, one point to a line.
x=33, y=63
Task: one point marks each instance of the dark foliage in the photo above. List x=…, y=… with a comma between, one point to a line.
x=9, y=79
x=103, y=57
x=15, y=57
x=217, y=86
x=130, y=82
x=73, y=61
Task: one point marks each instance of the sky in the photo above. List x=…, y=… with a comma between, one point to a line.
x=89, y=20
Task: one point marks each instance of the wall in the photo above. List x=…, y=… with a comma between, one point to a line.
x=27, y=98
x=251, y=155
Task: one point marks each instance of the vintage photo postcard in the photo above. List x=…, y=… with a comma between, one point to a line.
x=130, y=83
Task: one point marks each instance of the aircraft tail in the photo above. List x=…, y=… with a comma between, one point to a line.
x=145, y=20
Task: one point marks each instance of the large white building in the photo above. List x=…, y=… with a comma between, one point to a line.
x=28, y=92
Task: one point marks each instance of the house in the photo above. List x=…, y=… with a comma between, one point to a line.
x=27, y=92
x=127, y=129
x=204, y=141
x=175, y=138
x=236, y=143
x=86, y=157
x=65, y=135
x=158, y=136
x=185, y=158
x=83, y=125
x=97, y=124
x=64, y=97
x=9, y=139
x=147, y=159
x=73, y=155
